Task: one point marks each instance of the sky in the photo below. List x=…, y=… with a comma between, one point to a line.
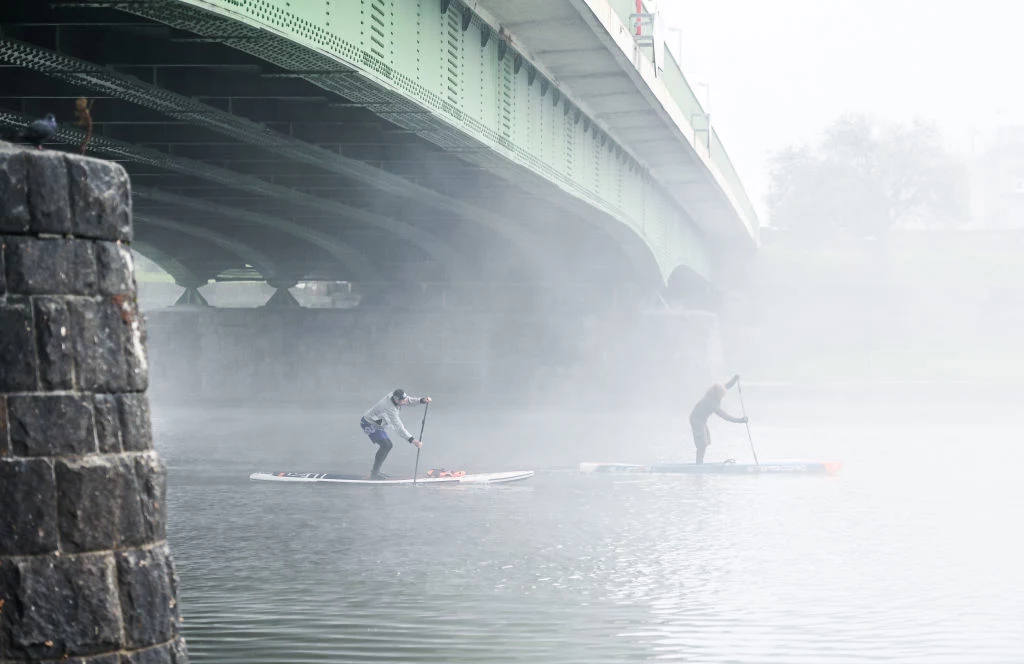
x=780, y=71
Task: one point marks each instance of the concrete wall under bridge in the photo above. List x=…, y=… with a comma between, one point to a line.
x=352, y=355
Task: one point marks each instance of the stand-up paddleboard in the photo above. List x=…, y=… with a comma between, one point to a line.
x=780, y=466
x=473, y=478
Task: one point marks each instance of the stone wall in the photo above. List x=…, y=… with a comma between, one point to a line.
x=85, y=572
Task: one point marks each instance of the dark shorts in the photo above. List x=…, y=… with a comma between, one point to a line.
x=375, y=431
x=701, y=436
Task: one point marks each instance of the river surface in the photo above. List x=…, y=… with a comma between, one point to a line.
x=914, y=553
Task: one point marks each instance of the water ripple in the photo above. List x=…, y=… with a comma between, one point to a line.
x=870, y=566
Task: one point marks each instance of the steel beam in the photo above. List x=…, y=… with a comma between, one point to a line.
x=194, y=112
x=436, y=248
x=469, y=104
x=252, y=256
x=181, y=273
x=362, y=268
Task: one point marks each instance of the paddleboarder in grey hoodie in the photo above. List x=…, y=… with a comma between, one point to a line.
x=384, y=414
x=710, y=404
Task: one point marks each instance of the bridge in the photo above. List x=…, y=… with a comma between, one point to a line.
x=391, y=144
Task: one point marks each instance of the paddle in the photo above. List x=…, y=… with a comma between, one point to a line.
x=739, y=386
x=423, y=424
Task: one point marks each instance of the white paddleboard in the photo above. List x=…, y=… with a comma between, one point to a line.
x=776, y=466
x=474, y=478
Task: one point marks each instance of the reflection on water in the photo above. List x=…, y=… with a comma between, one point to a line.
x=910, y=555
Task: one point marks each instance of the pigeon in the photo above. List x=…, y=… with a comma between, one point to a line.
x=39, y=131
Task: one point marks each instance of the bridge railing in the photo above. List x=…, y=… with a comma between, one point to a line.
x=733, y=183
x=683, y=95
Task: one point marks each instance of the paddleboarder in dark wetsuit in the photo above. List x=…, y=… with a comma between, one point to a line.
x=710, y=404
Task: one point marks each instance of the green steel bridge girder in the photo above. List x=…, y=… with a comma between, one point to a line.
x=434, y=68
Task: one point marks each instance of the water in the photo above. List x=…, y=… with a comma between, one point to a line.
x=911, y=554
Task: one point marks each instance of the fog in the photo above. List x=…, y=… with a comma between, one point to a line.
x=780, y=72
x=876, y=324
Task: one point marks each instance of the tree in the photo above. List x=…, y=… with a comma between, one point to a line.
x=864, y=177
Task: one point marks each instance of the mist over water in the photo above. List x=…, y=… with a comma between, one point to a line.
x=897, y=360
x=876, y=325
x=877, y=322
x=907, y=556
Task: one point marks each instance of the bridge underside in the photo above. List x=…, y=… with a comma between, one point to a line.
x=241, y=169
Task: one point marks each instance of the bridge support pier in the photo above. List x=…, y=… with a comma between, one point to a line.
x=191, y=298
x=282, y=297
x=85, y=571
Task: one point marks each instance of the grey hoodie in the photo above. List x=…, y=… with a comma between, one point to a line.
x=386, y=413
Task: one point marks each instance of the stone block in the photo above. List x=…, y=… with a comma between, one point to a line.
x=14, y=216
x=28, y=517
x=143, y=516
x=136, y=430
x=53, y=328
x=100, y=199
x=108, y=423
x=51, y=425
x=168, y=653
x=110, y=658
x=17, y=348
x=5, y=436
x=98, y=343
x=50, y=266
x=59, y=607
x=136, y=362
x=132, y=510
x=147, y=590
x=114, y=269
x=110, y=502
x=89, y=501
x=48, y=200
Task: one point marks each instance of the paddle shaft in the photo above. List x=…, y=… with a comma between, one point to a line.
x=739, y=386
x=423, y=425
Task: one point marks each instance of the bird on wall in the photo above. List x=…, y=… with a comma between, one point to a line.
x=38, y=131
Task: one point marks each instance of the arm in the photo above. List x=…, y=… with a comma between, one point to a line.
x=396, y=422
x=732, y=381
x=729, y=418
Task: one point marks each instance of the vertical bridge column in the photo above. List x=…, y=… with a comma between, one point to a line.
x=85, y=572
x=191, y=297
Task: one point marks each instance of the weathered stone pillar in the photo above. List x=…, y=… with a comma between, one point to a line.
x=85, y=572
